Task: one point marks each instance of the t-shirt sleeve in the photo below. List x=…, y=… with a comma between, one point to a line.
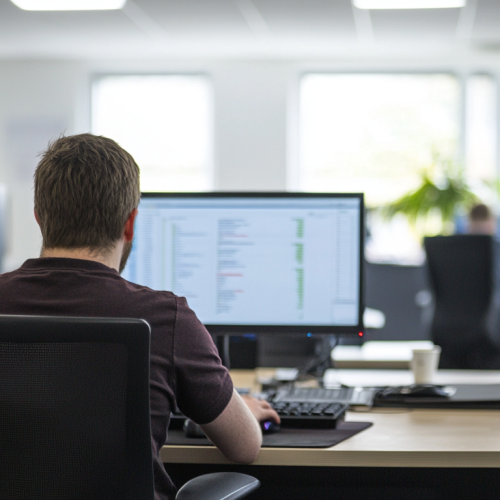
x=202, y=385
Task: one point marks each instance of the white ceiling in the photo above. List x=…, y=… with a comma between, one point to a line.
x=245, y=28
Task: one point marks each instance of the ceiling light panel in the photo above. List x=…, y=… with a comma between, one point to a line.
x=69, y=4
x=409, y=4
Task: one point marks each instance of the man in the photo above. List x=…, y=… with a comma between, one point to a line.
x=482, y=220
x=86, y=198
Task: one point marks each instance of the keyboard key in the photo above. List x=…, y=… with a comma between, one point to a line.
x=310, y=415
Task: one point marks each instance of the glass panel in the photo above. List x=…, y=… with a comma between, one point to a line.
x=164, y=122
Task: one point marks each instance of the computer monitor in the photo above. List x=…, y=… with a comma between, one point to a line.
x=265, y=263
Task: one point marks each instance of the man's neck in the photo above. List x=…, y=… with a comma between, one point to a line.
x=110, y=259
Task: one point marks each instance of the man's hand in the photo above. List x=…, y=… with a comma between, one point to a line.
x=261, y=409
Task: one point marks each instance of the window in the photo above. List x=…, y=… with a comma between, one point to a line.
x=375, y=133
x=164, y=122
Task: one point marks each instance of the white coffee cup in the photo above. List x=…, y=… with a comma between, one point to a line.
x=424, y=364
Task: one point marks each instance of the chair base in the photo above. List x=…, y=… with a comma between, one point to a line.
x=218, y=486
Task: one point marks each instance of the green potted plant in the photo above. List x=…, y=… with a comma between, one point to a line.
x=432, y=207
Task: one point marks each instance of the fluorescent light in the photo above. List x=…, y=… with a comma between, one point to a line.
x=409, y=4
x=69, y=4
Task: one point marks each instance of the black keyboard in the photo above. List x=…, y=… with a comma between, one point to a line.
x=307, y=415
x=347, y=395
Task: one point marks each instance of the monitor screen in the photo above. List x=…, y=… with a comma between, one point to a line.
x=255, y=262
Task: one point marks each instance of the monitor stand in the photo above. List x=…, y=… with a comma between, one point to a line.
x=310, y=355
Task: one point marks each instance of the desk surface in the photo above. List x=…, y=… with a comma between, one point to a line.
x=398, y=438
x=355, y=378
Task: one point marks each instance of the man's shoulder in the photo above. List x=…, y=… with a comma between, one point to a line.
x=8, y=276
x=84, y=284
x=144, y=291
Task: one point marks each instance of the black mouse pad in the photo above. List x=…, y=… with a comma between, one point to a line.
x=287, y=438
x=468, y=396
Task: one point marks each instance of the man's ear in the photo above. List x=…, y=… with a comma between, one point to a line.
x=128, y=231
x=36, y=217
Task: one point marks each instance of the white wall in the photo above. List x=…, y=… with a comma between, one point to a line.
x=40, y=100
x=254, y=120
x=37, y=101
x=251, y=125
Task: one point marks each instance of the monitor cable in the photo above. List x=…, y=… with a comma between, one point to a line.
x=321, y=361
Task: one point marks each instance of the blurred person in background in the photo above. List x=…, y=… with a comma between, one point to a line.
x=482, y=220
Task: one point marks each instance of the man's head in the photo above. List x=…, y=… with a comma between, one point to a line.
x=86, y=187
x=481, y=220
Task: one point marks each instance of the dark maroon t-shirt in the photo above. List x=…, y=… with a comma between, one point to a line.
x=185, y=366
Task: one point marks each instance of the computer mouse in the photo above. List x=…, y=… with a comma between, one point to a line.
x=192, y=430
x=268, y=427
x=425, y=391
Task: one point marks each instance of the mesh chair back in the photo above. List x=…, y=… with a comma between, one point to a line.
x=74, y=408
x=461, y=275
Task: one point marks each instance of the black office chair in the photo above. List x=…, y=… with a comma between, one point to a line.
x=74, y=413
x=461, y=274
x=394, y=289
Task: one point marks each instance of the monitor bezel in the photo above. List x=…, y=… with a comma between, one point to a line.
x=216, y=329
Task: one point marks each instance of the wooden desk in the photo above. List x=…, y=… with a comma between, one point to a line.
x=399, y=439
x=361, y=378
x=416, y=438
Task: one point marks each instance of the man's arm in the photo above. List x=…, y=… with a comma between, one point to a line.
x=236, y=431
x=203, y=388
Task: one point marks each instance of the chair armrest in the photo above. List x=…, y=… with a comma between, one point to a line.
x=218, y=486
